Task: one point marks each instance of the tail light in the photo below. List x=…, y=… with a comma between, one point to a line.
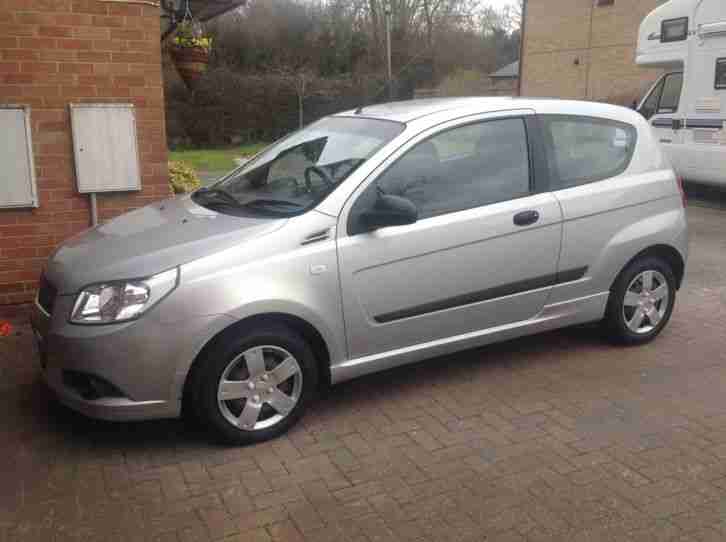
x=684, y=198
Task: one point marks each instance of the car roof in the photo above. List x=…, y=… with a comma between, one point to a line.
x=409, y=110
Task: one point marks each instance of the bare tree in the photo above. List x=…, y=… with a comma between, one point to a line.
x=299, y=80
x=430, y=11
x=511, y=16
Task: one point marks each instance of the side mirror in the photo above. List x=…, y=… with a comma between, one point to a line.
x=389, y=211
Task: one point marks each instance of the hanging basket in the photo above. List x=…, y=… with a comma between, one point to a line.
x=191, y=63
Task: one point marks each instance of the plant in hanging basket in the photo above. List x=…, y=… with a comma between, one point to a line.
x=190, y=52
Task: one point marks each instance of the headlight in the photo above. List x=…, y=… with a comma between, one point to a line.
x=124, y=300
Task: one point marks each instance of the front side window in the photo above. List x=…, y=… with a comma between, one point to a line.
x=298, y=172
x=721, y=74
x=674, y=30
x=460, y=168
x=581, y=150
x=671, y=96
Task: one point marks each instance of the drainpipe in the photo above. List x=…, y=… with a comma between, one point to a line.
x=94, y=209
x=521, y=47
x=588, y=96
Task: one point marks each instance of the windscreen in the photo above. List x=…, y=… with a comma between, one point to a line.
x=299, y=171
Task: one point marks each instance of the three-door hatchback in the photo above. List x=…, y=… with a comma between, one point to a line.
x=370, y=239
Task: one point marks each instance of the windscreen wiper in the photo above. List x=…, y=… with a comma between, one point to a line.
x=219, y=192
x=262, y=202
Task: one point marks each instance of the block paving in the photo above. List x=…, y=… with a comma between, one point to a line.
x=555, y=437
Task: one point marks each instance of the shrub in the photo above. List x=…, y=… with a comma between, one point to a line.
x=183, y=178
x=464, y=83
x=226, y=104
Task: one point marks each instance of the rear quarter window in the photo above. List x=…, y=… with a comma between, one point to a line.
x=583, y=150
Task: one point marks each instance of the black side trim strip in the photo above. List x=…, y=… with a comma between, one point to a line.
x=690, y=123
x=571, y=275
x=484, y=295
x=705, y=123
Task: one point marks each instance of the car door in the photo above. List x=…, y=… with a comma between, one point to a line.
x=665, y=111
x=483, y=252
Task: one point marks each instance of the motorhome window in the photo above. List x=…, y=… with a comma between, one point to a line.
x=721, y=74
x=650, y=105
x=674, y=30
x=671, y=93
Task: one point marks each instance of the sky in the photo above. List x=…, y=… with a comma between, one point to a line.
x=497, y=3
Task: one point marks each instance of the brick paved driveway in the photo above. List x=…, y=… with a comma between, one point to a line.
x=555, y=437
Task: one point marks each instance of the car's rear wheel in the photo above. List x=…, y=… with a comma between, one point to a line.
x=255, y=386
x=641, y=301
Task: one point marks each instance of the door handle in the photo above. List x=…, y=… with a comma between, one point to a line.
x=526, y=218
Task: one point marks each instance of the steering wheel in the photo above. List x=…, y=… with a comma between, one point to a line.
x=287, y=180
x=324, y=175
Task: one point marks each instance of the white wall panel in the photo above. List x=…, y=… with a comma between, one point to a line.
x=17, y=173
x=105, y=147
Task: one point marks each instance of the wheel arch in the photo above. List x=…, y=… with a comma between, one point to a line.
x=308, y=332
x=665, y=252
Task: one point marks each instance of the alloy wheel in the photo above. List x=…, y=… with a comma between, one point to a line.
x=646, y=302
x=259, y=387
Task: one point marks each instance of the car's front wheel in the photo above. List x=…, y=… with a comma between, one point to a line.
x=254, y=386
x=641, y=301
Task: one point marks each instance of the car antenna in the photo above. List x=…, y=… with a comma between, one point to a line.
x=359, y=110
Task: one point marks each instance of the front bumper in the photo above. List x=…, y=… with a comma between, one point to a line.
x=109, y=408
x=140, y=358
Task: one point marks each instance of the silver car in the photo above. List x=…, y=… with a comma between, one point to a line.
x=368, y=240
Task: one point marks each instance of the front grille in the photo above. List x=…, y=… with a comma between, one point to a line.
x=46, y=295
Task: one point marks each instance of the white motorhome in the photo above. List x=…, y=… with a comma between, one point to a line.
x=687, y=105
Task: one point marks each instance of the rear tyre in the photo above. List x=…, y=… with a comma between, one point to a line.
x=641, y=301
x=255, y=386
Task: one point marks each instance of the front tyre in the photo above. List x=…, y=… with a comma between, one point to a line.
x=255, y=386
x=641, y=301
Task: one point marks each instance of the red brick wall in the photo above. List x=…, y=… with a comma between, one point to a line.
x=57, y=52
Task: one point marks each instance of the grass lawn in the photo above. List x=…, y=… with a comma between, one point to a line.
x=215, y=159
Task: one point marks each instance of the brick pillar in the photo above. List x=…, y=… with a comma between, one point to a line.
x=57, y=52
